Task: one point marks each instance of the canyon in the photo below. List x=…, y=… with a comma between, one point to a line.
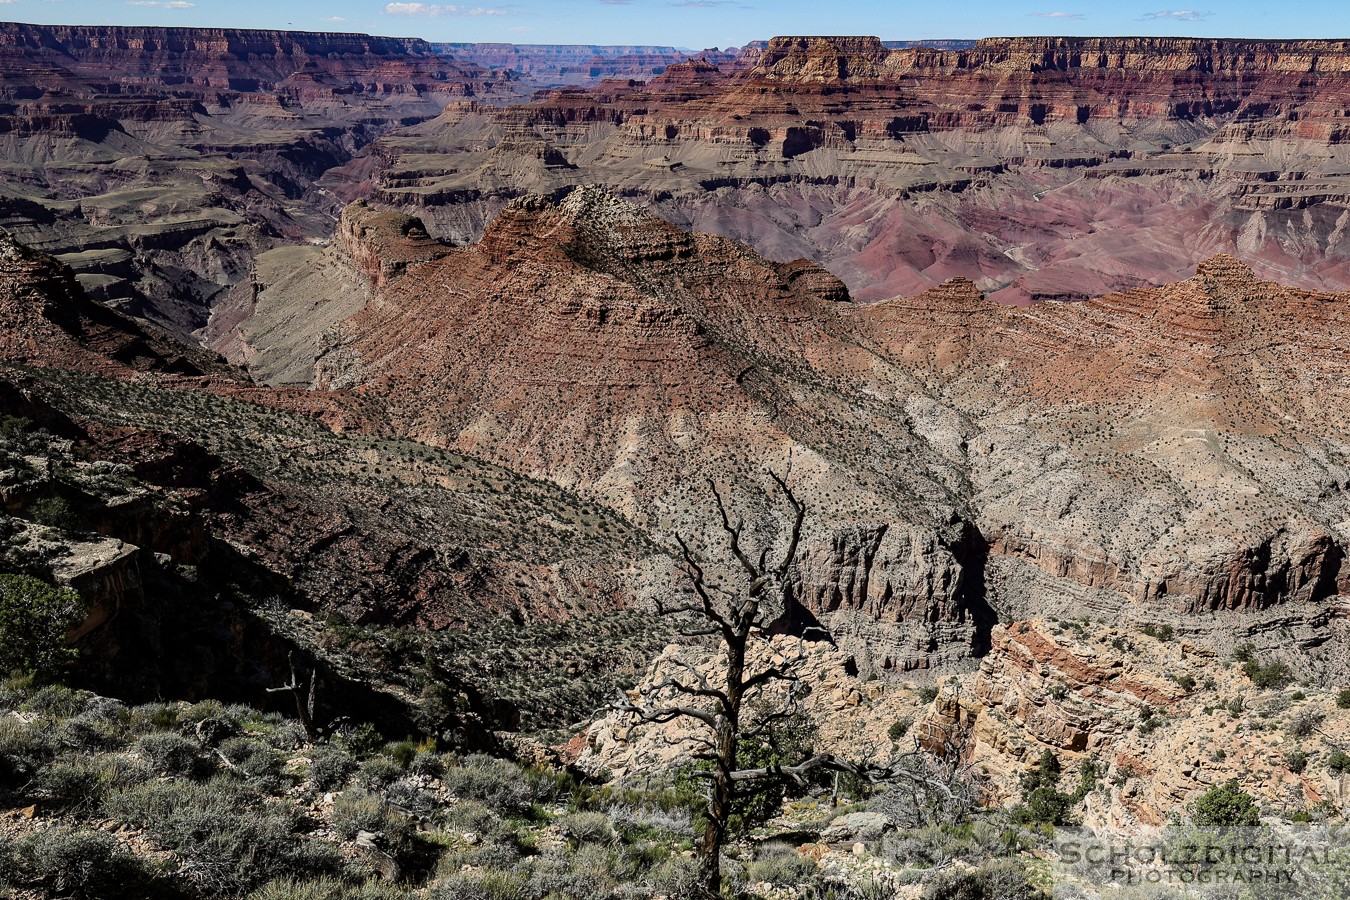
x=413, y=359
x=1020, y=163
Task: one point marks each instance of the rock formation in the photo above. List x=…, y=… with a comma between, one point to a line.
x=1019, y=163
x=1158, y=456
x=157, y=162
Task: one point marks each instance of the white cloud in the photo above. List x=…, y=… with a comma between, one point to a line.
x=1179, y=15
x=162, y=4
x=439, y=9
x=1056, y=15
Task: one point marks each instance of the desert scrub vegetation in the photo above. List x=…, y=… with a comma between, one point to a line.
x=210, y=800
x=483, y=505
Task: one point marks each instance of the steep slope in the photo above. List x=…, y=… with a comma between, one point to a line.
x=593, y=345
x=1019, y=163
x=1183, y=444
x=46, y=319
x=209, y=532
x=1167, y=455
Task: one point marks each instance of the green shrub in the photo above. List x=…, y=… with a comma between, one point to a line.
x=1296, y=760
x=1042, y=801
x=472, y=816
x=69, y=780
x=1268, y=676
x=1224, y=805
x=34, y=619
x=1343, y=699
x=225, y=839
x=172, y=754
x=497, y=784
x=1002, y=879
x=328, y=889
x=489, y=884
x=1338, y=762
x=678, y=877
x=378, y=772
x=57, y=701
x=586, y=828
x=1185, y=682
x=427, y=763
x=55, y=512
x=102, y=725
x=1160, y=632
x=899, y=728
x=401, y=752
x=780, y=864
x=355, y=811
x=927, y=694
x=84, y=864
x=254, y=761
x=330, y=768
x=24, y=749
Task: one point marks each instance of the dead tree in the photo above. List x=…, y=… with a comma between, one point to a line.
x=737, y=614
x=303, y=690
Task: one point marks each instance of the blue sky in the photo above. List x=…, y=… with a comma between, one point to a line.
x=705, y=23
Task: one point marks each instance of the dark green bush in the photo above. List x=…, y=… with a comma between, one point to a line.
x=1338, y=762
x=1185, y=682
x=1343, y=699
x=1159, y=632
x=34, y=619
x=1268, y=676
x=24, y=749
x=89, y=865
x=1224, y=805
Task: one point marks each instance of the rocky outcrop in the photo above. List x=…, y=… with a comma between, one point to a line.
x=849, y=715
x=1162, y=719
x=592, y=344
x=47, y=319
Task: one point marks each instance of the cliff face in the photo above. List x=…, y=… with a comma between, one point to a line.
x=1018, y=163
x=230, y=60
x=556, y=65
